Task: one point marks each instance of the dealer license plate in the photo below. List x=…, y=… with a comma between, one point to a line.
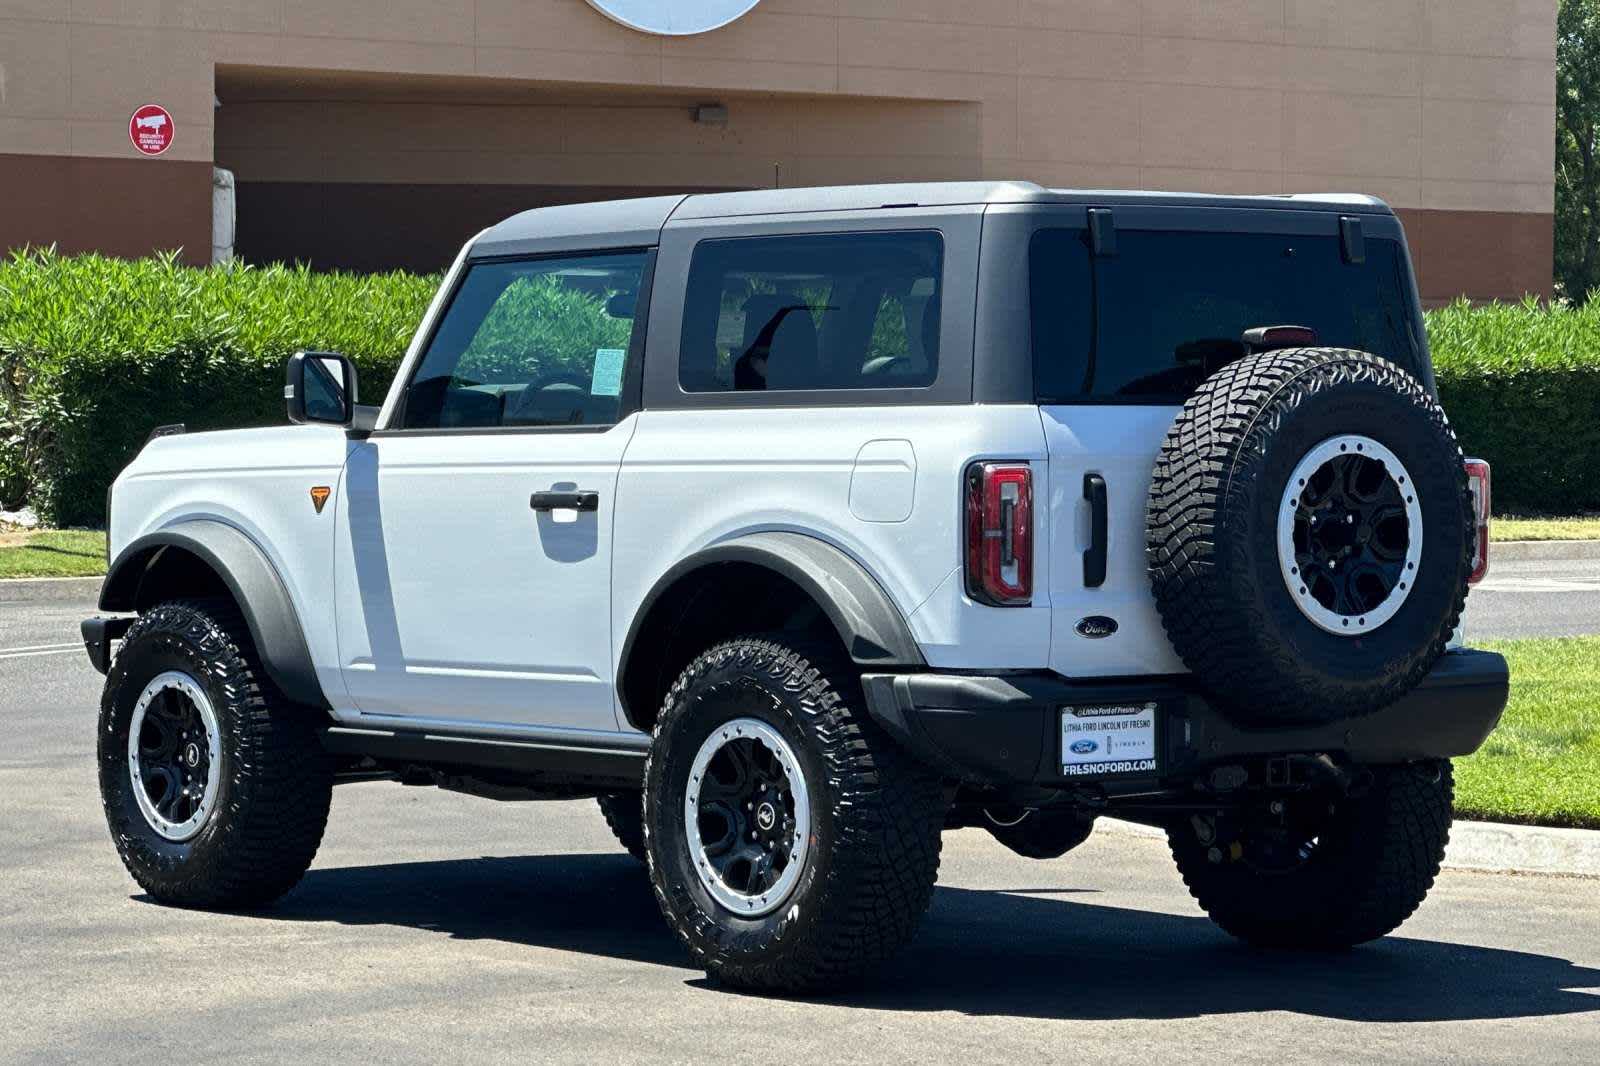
x=1108, y=741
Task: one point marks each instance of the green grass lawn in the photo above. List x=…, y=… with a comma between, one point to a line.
x=1511, y=528
x=1543, y=764
x=53, y=553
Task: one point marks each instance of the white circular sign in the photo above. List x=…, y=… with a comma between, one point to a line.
x=675, y=18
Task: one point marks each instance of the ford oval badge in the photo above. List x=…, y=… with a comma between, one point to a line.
x=1096, y=626
x=1084, y=747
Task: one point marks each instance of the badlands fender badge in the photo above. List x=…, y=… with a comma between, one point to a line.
x=1096, y=626
x=319, y=496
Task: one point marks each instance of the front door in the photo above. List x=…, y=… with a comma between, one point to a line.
x=474, y=558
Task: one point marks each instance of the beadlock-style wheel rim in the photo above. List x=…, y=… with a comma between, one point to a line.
x=1350, y=535
x=748, y=816
x=174, y=755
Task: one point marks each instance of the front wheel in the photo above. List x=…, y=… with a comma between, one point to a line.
x=1318, y=872
x=215, y=788
x=792, y=846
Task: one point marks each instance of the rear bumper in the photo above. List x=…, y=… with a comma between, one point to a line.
x=1004, y=730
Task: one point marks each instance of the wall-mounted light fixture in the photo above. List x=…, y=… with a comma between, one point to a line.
x=711, y=114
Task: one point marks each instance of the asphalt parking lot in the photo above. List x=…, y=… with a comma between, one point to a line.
x=437, y=927
x=1535, y=598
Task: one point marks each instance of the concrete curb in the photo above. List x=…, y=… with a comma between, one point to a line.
x=1488, y=846
x=49, y=589
x=1519, y=550
x=1528, y=849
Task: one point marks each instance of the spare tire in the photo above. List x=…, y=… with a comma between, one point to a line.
x=1310, y=535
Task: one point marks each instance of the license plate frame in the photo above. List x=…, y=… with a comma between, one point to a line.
x=1112, y=740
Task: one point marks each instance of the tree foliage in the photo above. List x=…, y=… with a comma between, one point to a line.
x=1578, y=148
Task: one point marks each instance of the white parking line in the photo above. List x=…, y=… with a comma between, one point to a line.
x=23, y=653
x=41, y=647
x=1536, y=584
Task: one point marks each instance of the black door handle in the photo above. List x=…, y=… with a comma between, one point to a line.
x=1094, y=557
x=580, y=500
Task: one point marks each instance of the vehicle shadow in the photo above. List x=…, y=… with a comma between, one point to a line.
x=979, y=952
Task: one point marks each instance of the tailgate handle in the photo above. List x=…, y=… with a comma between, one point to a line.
x=1094, y=556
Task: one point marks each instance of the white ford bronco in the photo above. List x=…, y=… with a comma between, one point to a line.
x=799, y=526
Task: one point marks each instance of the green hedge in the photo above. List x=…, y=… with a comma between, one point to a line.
x=1521, y=383
x=94, y=352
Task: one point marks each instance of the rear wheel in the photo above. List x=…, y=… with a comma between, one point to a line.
x=624, y=814
x=792, y=845
x=1310, y=871
x=215, y=788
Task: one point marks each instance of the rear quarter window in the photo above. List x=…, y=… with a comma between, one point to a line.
x=819, y=311
x=1152, y=322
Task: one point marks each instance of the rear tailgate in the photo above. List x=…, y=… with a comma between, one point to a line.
x=1110, y=628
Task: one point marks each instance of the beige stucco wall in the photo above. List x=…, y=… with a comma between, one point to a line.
x=1437, y=105
x=1430, y=103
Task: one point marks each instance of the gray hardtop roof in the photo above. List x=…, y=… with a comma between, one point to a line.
x=638, y=223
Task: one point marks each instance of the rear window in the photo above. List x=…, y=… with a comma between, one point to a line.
x=826, y=311
x=1155, y=320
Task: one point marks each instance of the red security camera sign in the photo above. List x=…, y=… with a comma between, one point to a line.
x=150, y=129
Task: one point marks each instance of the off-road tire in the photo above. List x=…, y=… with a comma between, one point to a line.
x=869, y=872
x=624, y=814
x=275, y=782
x=1368, y=873
x=1042, y=834
x=1212, y=525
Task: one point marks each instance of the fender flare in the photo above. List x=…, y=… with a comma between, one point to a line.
x=250, y=577
x=870, y=626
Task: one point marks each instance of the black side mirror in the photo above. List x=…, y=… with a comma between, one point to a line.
x=320, y=387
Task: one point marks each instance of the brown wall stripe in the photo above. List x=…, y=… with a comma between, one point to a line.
x=130, y=207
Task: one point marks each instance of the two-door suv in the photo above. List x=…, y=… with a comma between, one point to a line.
x=799, y=526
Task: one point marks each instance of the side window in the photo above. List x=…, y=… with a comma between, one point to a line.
x=539, y=342
x=830, y=311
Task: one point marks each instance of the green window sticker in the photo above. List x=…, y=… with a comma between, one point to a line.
x=608, y=371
